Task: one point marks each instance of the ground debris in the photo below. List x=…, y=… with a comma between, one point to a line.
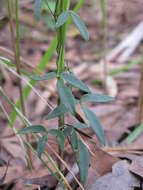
x=119, y=179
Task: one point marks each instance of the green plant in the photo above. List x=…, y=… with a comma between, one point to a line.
x=66, y=103
x=43, y=63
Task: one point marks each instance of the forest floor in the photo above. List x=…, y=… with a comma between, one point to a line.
x=116, y=166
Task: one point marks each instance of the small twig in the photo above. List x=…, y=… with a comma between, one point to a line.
x=139, y=112
x=104, y=15
x=16, y=49
x=122, y=149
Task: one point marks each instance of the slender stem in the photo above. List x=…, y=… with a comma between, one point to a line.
x=139, y=112
x=104, y=21
x=61, y=6
x=16, y=49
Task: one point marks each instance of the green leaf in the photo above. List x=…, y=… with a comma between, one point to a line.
x=37, y=8
x=66, y=96
x=83, y=161
x=59, y=136
x=60, y=139
x=74, y=140
x=136, y=132
x=80, y=25
x=58, y=111
x=95, y=124
x=33, y=129
x=74, y=81
x=96, y=98
x=80, y=125
x=67, y=131
x=41, y=145
x=53, y=132
x=47, y=76
x=63, y=17
x=47, y=6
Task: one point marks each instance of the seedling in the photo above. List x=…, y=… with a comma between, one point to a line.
x=66, y=80
x=66, y=103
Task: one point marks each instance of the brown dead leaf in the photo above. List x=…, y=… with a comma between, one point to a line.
x=119, y=179
x=102, y=162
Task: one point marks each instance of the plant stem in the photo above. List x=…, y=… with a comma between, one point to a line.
x=16, y=49
x=104, y=21
x=61, y=6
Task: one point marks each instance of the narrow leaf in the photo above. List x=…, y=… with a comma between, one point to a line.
x=96, y=98
x=60, y=139
x=83, y=161
x=66, y=97
x=58, y=111
x=59, y=136
x=47, y=76
x=63, y=17
x=80, y=125
x=41, y=145
x=74, y=140
x=37, y=8
x=67, y=131
x=95, y=124
x=53, y=132
x=133, y=136
x=74, y=81
x=80, y=25
x=33, y=129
